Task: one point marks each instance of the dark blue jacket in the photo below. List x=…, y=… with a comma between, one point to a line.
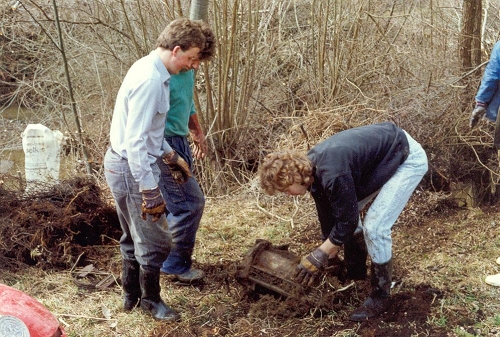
x=489, y=92
x=350, y=166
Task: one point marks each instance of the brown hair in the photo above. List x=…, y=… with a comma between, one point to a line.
x=187, y=34
x=279, y=170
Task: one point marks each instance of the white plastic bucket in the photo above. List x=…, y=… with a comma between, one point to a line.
x=42, y=151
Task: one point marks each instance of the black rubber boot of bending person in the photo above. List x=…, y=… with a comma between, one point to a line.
x=151, y=300
x=355, y=254
x=378, y=301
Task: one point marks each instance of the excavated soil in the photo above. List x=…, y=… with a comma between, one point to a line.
x=72, y=225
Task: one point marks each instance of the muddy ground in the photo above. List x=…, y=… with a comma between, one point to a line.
x=50, y=237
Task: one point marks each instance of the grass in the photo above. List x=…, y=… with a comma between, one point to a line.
x=442, y=258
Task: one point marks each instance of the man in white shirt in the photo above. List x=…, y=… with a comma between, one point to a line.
x=131, y=169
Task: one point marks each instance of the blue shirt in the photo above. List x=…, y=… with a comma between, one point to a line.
x=139, y=115
x=489, y=92
x=181, y=104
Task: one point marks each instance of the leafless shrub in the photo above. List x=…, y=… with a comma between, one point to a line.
x=282, y=71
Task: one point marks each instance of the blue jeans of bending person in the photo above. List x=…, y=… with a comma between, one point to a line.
x=145, y=241
x=185, y=205
x=389, y=202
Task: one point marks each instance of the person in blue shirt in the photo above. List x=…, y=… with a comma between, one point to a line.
x=378, y=163
x=487, y=105
x=488, y=94
x=183, y=195
x=130, y=163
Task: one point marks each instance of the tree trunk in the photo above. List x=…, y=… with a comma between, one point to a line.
x=199, y=10
x=470, y=36
x=476, y=35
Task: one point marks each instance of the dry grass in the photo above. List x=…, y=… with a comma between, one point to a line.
x=449, y=250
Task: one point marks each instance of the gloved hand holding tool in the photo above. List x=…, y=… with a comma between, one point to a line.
x=153, y=204
x=178, y=166
x=478, y=113
x=311, y=266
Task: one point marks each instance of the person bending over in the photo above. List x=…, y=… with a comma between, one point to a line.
x=380, y=163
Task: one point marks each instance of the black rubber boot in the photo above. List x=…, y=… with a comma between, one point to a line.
x=378, y=301
x=130, y=284
x=355, y=254
x=151, y=300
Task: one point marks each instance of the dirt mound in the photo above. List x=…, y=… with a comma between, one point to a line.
x=50, y=228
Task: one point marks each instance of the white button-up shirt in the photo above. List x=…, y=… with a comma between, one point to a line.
x=138, y=124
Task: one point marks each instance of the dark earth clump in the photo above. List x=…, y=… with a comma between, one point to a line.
x=49, y=228
x=408, y=313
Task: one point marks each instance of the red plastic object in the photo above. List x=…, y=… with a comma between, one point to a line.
x=20, y=313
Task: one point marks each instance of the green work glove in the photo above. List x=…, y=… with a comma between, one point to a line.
x=178, y=167
x=311, y=266
x=152, y=204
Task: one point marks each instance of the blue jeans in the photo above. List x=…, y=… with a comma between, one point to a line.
x=142, y=240
x=389, y=203
x=185, y=205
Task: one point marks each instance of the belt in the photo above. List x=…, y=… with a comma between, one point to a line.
x=114, y=152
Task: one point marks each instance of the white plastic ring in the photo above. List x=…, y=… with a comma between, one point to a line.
x=11, y=326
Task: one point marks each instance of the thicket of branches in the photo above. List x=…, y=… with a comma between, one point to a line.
x=287, y=74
